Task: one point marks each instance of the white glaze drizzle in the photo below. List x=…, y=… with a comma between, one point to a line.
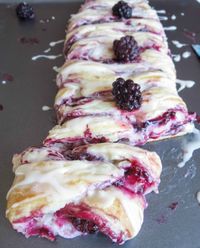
x=170, y=28
x=191, y=171
x=46, y=108
x=163, y=18
x=51, y=57
x=42, y=21
x=185, y=84
x=182, y=14
x=47, y=20
x=54, y=43
x=56, y=68
x=178, y=44
x=60, y=175
x=186, y=55
x=47, y=50
x=162, y=11
x=173, y=17
x=198, y=1
x=176, y=57
x=198, y=197
x=3, y=82
x=132, y=206
x=189, y=147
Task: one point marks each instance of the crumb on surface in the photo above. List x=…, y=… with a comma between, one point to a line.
x=1, y=107
x=173, y=205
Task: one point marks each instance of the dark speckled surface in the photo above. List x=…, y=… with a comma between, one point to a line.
x=23, y=124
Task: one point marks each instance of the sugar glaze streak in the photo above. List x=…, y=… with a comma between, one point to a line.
x=54, y=43
x=46, y=108
x=189, y=147
x=184, y=84
x=178, y=44
x=170, y=28
x=51, y=57
x=198, y=197
x=176, y=57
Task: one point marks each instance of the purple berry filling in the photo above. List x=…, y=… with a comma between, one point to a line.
x=136, y=179
x=147, y=130
x=86, y=221
x=84, y=226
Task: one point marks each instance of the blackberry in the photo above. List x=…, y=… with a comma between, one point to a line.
x=122, y=10
x=127, y=94
x=126, y=49
x=84, y=226
x=25, y=11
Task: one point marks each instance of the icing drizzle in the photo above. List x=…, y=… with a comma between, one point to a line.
x=184, y=84
x=51, y=57
x=189, y=147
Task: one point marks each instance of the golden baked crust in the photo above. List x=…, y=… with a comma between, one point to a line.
x=94, y=188
x=49, y=185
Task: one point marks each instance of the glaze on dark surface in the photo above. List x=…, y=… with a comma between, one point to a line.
x=23, y=124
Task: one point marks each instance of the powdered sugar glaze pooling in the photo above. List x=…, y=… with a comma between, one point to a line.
x=189, y=147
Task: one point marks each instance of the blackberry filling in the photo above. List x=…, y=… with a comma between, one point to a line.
x=135, y=179
x=84, y=226
x=43, y=232
x=126, y=49
x=24, y=11
x=83, y=155
x=122, y=10
x=165, y=118
x=127, y=94
x=71, y=143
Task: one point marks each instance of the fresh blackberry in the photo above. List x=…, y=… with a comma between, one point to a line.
x=25, y=11
x=126, y=49
x=127, y=94
x=122, y=10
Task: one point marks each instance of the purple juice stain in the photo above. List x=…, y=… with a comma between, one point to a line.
x=190, y=35
x=161, y=219
x=7, y=77
x=173, y=205
x=28, y=40
x=1, y=107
